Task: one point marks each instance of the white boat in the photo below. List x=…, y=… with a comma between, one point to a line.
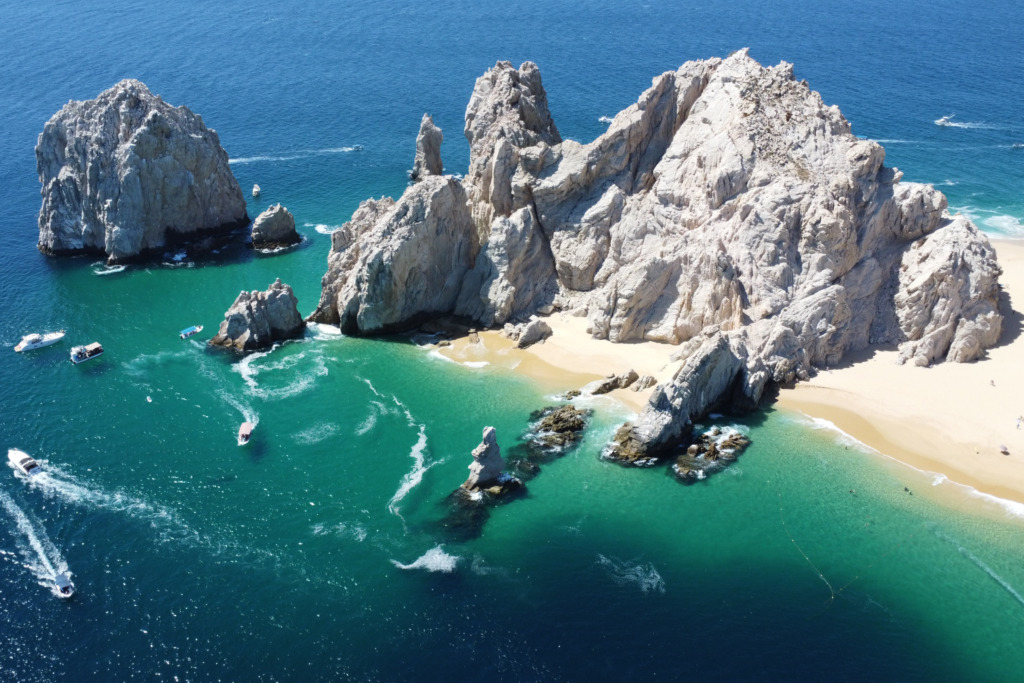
x=189, y=331
x=245, y=433
x=38, y=341
x=80, y=354
x=255, y=190
x=65, y=588
x=945, y=120
x=23, y=461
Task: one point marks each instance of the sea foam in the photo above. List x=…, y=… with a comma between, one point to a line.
x=645, y=576
x=434, y=560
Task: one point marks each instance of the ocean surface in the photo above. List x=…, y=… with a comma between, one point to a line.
x=318, y=552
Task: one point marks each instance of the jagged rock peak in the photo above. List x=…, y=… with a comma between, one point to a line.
x=127, y=173
x=274, y=228
x=428, y=150
x=487, y=462
x=256, y=320
x=508, y=110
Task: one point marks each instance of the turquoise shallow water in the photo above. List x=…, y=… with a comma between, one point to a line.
x=317, y=552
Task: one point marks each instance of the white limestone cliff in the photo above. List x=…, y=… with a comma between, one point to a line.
x=428, y=150
x=127, y=173
x=729, y=211
x=273, y=228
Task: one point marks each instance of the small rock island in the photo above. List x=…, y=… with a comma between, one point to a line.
x=257, y=320
x=128, y=174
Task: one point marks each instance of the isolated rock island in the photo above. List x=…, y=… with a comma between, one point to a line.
x=729, y=212
x=257, y=320
x=127, y=173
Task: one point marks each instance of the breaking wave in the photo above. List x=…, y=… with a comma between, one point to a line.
x=605, y=119
x=434, y=560
x=324, y=229
x=101, y=268
x=646, y=577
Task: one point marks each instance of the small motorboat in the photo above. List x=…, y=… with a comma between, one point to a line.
x=38, y=341
x=945, y=120
x=23, y=461
x=255, y=190
x=245, y=433
x=80, y=354
x=189, y=331
x=65, y=589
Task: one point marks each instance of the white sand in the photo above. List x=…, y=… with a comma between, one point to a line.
x=951, y=418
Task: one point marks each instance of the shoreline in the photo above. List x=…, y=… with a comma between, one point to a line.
x=951, y=419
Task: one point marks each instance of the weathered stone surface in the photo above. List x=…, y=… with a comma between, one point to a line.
x=528, y=333
x=395, y=262
x=559, y=428
x=126, y=174
x=616, y=382
x=709, y=453
x=729, y=211
x=428, y=150
x=644, y=382
x=487, y=464
x=259, y=319
x=275, y=227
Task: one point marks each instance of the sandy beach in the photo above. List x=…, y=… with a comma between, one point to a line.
x=951, y=418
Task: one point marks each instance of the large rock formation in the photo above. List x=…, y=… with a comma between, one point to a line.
x=128, y=173
x=428, y=150
x=259, y=319
x=729, y=210
x=274, y=228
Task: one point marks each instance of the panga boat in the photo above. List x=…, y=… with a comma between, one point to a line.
x=65, y=588
x=23, y=461
x=189, y=331
x=255, y=190
x=80, y=354
x=945, y=120
x=245, y=433
x=38, y=341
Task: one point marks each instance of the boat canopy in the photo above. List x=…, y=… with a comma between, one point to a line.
x=95, y=346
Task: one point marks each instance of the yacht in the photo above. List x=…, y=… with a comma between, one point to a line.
x=80, y=354
x=38, y=341
x=23, y=461
x=945, y=120
x=255, y=190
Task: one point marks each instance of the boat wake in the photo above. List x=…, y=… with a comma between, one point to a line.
x=293, y=156
x=646, y=577
x=40, y=555
x=434, y=560
x=315, y=434
x=251, y=367
x=101, y=268
x=983, y=567
x=412, y=479
x=56, y=482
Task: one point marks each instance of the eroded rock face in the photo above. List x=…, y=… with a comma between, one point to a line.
x=527, y=334
x=729, y=211
x=273, y=228
x=259, y=319
x=127, y=173
x=428, y=150
x=396, y=262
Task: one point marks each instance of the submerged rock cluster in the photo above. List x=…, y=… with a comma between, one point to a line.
x=127, y=173
x=728, y=211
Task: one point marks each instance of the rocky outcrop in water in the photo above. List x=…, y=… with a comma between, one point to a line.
x=710, y=452
x=729, y=211
x=126, y=174
x=428, y=150
x=487, y=464
x=274, y=228
x=259, y=319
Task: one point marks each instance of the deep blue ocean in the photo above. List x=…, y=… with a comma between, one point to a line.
x=318, y=551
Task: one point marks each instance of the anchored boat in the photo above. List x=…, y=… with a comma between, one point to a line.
x=80, y=354
x=189, y=331
x=38, y=341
